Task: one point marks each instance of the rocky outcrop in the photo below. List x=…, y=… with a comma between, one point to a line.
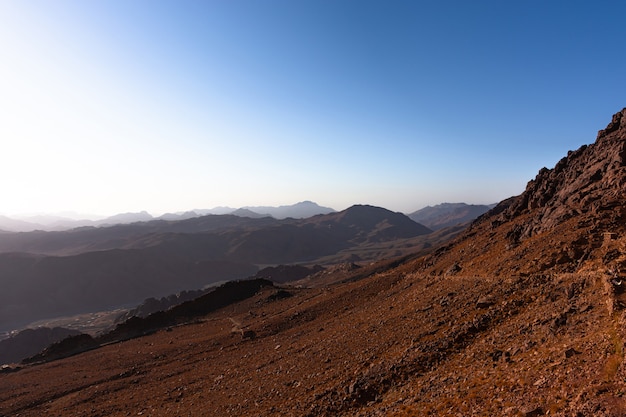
x=560, y=223
x=588, y=180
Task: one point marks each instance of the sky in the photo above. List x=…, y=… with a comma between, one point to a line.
x=111, y=106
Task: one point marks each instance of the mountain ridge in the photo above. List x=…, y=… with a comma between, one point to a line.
x=63, y=273
x=299, y=210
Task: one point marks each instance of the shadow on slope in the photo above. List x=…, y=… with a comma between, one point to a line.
x=222, y=296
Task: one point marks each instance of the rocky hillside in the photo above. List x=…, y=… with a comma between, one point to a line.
x=562, y=222
x=523, y=314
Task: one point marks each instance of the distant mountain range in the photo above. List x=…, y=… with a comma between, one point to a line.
x=124, y=259
x=300, y=210
x=47, y=274
x=434, y=217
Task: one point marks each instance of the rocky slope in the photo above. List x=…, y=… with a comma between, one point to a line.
x=521, y=315
x=561, y=222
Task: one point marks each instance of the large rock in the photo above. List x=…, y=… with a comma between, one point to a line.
x=590, y=179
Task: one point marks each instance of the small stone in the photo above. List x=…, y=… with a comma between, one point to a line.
x=352, y=388
x=532, y=411
x=485, y=302
x=455, y=268
x=248, y=334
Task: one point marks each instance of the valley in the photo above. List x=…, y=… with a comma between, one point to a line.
x=49, y=275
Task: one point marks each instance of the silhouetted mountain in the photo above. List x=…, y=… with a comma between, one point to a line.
x=29, y=342
x=372, y=223
x=135, y=235
x=178, y=216
x=242, y=212
x=124, y=218
x=13, y=225
x=59, y=223
x=306, y=240
x=51, y=222
x=448, y=214
x=378, y=223
x=215, y=210
x=300, y=210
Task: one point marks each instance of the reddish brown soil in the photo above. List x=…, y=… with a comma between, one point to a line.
x=397, y=343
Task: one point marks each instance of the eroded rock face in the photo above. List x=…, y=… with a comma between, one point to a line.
x=588, y=180
x=558, y=224
x=618, y=124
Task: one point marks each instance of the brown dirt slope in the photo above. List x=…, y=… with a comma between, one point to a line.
x=522, y=315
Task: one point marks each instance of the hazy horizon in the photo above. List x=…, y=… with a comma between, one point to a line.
x=115, y=106
x=101, y=216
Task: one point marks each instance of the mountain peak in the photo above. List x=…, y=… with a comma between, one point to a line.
x=590, y=179
x=301, y=210
x=617, y=124
x=366, y=211
x=384, y=222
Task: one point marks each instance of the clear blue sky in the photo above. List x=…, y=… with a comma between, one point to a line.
x=116, y=106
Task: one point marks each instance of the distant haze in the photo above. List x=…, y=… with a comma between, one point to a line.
x=43, y=222
x=122, y=106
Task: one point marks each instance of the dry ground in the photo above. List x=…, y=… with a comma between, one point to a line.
x=397, y=343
